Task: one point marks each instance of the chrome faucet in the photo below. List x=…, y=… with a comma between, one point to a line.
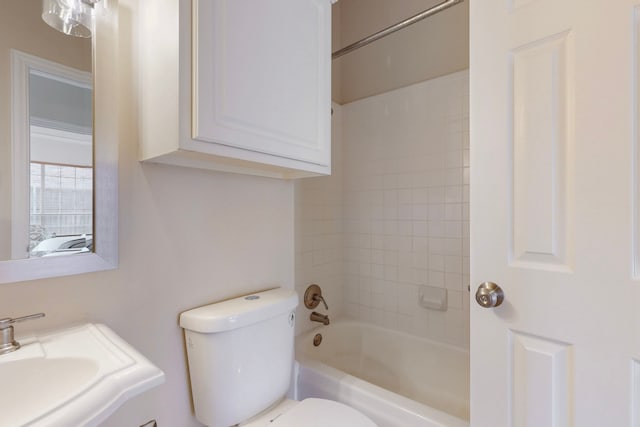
x=7, y=342
x=317, y=317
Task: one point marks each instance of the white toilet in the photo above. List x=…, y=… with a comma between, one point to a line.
x=241, y=354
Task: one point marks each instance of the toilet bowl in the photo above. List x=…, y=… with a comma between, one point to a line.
x=310, y=413
x=241, y=354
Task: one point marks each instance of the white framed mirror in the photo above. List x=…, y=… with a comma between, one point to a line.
x=67, y=147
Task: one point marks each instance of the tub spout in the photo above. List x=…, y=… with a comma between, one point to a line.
x=322, y=318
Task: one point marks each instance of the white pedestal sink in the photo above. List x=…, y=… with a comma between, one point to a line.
x=75, y=377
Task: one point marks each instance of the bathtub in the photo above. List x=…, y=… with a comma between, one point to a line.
x=396, y=379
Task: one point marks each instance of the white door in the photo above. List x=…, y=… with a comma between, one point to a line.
x=554, y=217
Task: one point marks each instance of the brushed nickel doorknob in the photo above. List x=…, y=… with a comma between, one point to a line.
x=489, y=295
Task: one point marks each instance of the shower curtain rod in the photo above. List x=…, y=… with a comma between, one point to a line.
x=396, y=27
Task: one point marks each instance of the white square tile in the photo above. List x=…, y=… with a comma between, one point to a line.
x=421, y=228
x=454, y=176
x=390, y=272
x=453, y=264
x=377, y=271
x=436, y=212
x=436, y=229
x=452, y=247
x=377, y=301
x=377, y=212
x=405, y=211
x=405, y=180
x=436, y=245
x=377, y=256
x=420, y=260
x=390, y=320
x=436, y=178
x=453, y=229
x=405, y=323
x=454, y=300
x=390, y=258
x=436, y=262
x=391, y=212
x=390, y=181
x=453, y=212
x=436, y=279
x=405, y=228
x=420, y=276
x=405, y=274
x=390, y=243
x=405, y=195
x=390, y=198
x=420, y=212
x=405, y=243
x=436, y=195
x=453, y=159
x=420, y=195
x=421, y=179
x=365, y=269
x=405, y=259
x=453, y=194
x=453, y=281
x=420, y=244
x=390, y=227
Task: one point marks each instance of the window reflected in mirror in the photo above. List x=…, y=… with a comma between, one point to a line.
x=61, y=209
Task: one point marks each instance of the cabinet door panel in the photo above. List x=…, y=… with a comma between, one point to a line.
x=261, y=76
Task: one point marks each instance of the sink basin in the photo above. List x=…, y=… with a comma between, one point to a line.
x=74, y=377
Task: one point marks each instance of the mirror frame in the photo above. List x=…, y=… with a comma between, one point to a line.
x=105, y=152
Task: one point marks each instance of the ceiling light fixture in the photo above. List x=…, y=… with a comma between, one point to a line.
x=71, y=17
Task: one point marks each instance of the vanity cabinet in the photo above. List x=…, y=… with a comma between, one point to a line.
x=236, y=85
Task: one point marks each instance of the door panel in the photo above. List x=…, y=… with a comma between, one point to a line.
x=541, y=132
x=554, y=192
x=542, y=371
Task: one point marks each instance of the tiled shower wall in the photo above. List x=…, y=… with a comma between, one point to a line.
x=318, y=233
x=394, y=215
x=406, y=207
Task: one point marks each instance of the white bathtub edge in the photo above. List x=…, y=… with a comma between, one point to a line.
x=386, y=408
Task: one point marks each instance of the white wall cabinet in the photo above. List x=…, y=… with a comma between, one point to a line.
x=237, y=85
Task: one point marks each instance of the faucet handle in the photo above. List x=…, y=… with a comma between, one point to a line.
x=313, y=296
x=318, y=298
x=7, y=321
x=7, y=343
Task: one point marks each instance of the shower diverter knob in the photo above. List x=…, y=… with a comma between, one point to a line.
x=313, y=296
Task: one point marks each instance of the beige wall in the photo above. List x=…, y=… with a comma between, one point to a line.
x=22, y=28
x=434, y=47
x=187, y=237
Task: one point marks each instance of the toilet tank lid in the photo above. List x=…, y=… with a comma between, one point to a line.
x=238, y=312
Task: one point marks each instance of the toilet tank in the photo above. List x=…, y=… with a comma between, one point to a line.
x=240, y=354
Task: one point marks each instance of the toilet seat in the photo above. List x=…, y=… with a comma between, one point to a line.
x=311, y=412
